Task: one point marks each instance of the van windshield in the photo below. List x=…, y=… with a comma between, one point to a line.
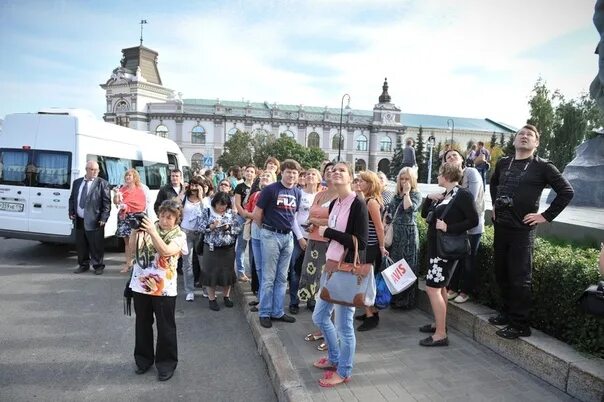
x=35, y=168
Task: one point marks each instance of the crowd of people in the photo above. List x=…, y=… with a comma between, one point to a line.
x=294, y=220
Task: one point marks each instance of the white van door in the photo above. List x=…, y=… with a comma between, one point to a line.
x=51, y=186
x=14, y=193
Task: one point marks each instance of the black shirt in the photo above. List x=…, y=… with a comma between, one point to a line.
x=243, y=190
x=523, y=181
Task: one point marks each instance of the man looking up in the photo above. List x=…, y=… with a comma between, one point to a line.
x=516, y=187
x=275, y=214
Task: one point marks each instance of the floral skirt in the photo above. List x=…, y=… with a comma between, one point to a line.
x=312, y=267
x=123, y=228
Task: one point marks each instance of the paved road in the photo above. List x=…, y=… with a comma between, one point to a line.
x=64, y=337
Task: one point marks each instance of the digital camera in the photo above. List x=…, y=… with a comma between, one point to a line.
x=135, y=220
x=504, y=201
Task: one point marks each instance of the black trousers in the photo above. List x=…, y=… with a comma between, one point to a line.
x=90, y=245
x=513, y=271
x=166, y=351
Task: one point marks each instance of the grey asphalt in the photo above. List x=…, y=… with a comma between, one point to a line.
x=63, y=337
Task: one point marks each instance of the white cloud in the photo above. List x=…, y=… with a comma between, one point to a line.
x=470, y=58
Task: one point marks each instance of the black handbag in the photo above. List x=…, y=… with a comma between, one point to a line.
x=451, y=246
x=592, y=300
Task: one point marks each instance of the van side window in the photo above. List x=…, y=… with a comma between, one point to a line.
x=115, y=170
x=14, y=164
x=156, y=175
x=53, y=169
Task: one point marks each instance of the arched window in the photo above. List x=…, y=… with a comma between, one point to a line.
x=360, y=165
x=386, y=144
x=198, y=135
x=232, y=132
x=259, y=131
x=314, y=140
x=384, y=166
x=334, y=142
x=196, y=161
x=161, y=131
x=361, y=143
x=288, y=133
x=121, y=106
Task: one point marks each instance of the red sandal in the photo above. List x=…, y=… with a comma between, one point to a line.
x=328, y=377
x=324, y=364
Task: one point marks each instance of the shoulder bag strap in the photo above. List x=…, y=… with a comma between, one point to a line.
x=442, y=216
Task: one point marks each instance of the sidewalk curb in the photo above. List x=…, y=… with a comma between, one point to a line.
x=553, y=361
x=285, y=379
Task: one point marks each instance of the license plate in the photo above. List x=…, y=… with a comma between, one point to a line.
x=11, y=206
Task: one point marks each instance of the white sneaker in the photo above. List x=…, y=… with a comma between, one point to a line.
x=190, y=296
x=204, y=293
x=461, y=299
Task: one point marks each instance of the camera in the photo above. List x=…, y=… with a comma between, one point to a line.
x=504, y=201
x=135, y=220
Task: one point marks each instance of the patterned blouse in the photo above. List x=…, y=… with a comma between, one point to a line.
x=223, y=235
x=153, y=274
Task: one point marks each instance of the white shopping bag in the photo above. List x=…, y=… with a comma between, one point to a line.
x=399, y=276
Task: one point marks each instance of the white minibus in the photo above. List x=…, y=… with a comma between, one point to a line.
x=42, y=153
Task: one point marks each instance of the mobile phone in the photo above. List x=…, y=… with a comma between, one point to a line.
x=306, y=226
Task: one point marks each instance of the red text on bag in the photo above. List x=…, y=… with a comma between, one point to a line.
x=399, y=272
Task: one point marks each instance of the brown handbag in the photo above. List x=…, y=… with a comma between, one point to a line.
x=346, y=283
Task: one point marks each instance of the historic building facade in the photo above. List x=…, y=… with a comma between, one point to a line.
x=137, y=98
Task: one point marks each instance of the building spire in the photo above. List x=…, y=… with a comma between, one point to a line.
x=384, y=97
x=142, y=22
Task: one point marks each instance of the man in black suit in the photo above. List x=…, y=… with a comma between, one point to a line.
x=89, y=207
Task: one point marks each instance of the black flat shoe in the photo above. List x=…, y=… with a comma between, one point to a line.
x=510, y=332
x=369, y=323
x=214, y=305
x=228, y=302
x=294, y=309
x=140, y=370
x=284, y=318
x=165, y=376
x=266, y=322
x=253, y=303
x=500, y=319
x=429, y=341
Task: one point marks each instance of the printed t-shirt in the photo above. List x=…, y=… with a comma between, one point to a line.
x=279, y=205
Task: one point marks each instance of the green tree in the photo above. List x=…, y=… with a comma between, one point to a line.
x=436, y=161
x=493, y=143
x=509, y=148
x=287, y=148
x=397, y=161
x=502, y=140
x=570, y=129
x=420, y=156
x=237, y=151
x=542, y=114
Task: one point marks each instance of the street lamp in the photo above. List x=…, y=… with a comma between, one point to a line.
x=431, y=142
x=341, y=113
x=452, y=127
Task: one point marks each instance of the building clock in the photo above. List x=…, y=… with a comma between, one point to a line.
x=388, y=117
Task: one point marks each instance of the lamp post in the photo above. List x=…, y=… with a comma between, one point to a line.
x=431, y=142
x=341, y=113
x=452, y=126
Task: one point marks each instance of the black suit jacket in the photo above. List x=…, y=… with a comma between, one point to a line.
x=98, y=204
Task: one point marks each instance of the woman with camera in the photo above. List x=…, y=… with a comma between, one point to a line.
x=153, y=283
x=454, y=212
x=221, y=228
x=130, y=199
x=192, y=207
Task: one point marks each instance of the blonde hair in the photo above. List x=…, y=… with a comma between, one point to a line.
x=315, y=171
x=375, y=186
x=412, y=173
x=135, y=176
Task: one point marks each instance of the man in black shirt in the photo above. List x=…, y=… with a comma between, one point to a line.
x=174, y=189
x=516, y=187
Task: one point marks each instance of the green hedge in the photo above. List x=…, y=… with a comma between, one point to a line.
x=560, y=275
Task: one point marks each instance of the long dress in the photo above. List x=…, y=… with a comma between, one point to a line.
x=405, y=244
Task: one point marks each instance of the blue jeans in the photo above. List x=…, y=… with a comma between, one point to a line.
x=240, y=251
x=294, y=275
x=276, y=252
x=187, y=261
x=257, y=252
x=341, y=354
x=482, y=169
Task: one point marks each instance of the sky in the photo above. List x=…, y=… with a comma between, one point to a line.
x=470, y=58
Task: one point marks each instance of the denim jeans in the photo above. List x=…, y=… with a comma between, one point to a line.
x=240, y=251
x=341, y=354
x=294, y=274
x=276, y=252
x=257, y=251
x=187, y=261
